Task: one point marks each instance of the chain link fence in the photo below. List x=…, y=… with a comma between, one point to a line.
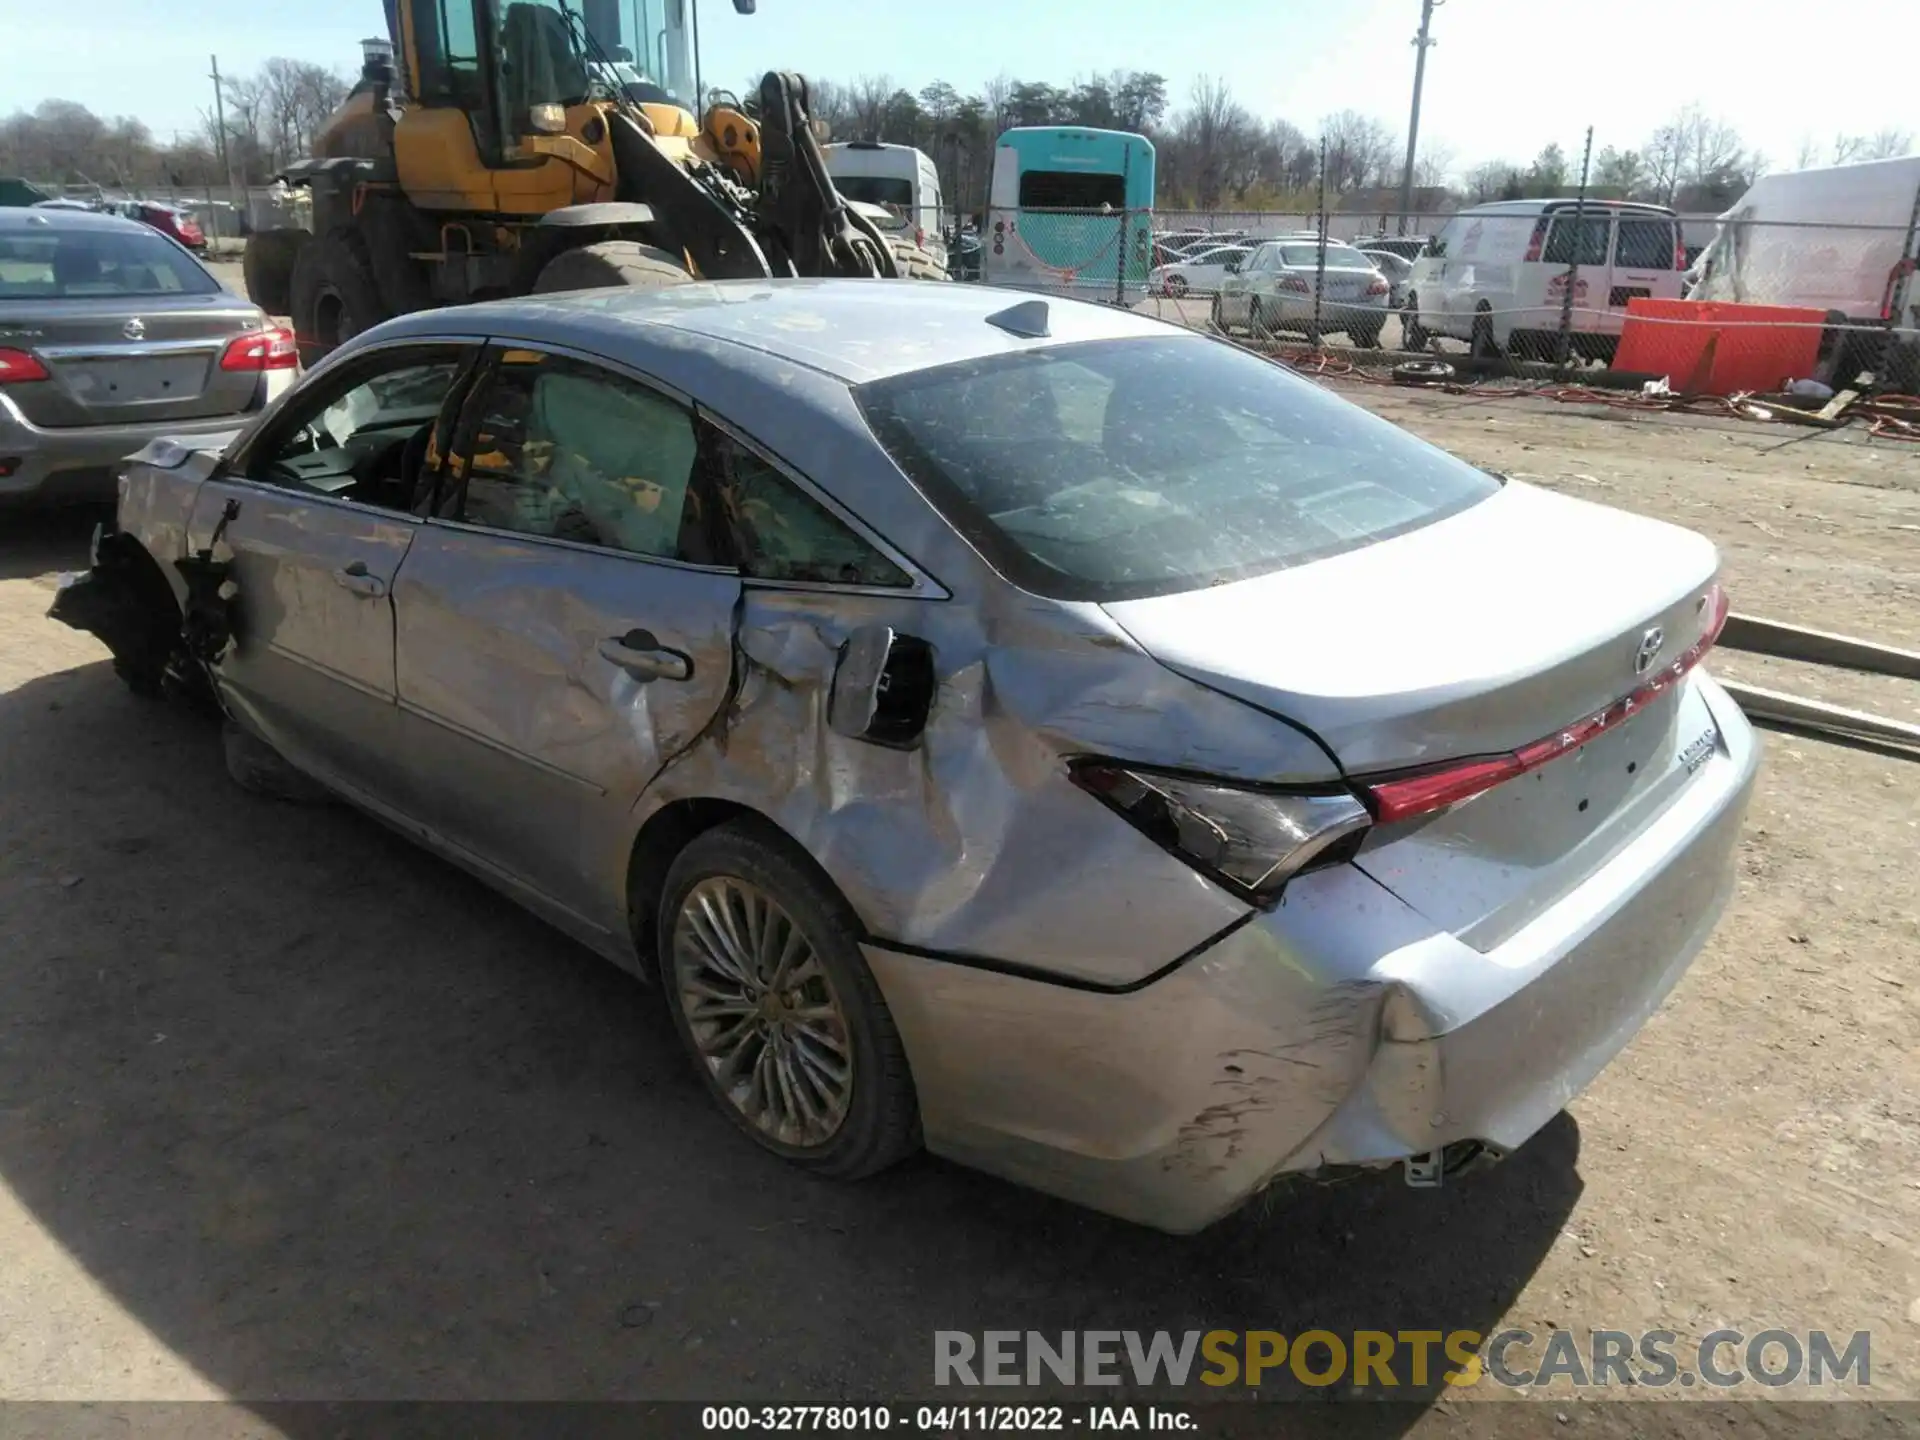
x=1537, y=289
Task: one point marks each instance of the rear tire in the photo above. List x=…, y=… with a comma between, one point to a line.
x=874, y=1114
x=267, y=263
x=1412, y=335
x=1483, y=345
x=334, y=295
x=611, y=264
x=1366, y=337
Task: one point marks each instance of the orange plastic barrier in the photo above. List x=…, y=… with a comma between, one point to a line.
x=1719, y=347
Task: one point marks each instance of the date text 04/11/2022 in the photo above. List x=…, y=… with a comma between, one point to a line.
x=942, y=1419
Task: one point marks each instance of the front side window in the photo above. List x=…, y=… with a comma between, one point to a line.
x=1179, y=463
x=566, y=451
x=375, y=437
x=448, y=37
x=79, y=264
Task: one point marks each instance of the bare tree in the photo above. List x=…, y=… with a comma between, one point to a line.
x=1489, y=180
x=1886, y=145
x=1433, y=166
x=867, y=98
x=1359, y=150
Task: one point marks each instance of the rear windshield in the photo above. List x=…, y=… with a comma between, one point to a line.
x=96, y=264
x=1339, y=257
x=1071, y=190
x=1121, y=468
x=876, y=189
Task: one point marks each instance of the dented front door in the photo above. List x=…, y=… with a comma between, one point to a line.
x=311, y=666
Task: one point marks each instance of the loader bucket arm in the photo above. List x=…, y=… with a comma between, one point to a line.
x=699, y=221
x=799, y=208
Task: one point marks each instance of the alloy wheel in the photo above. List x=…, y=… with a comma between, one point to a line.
x=762, y=1012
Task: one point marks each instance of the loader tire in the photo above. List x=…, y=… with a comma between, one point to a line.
x=267, y=263
x=334, y=295
x=611, y=264
x=915, y=263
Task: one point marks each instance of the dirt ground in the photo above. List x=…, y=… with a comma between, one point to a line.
x=289, y=1109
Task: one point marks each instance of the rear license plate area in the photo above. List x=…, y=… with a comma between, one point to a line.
x=129, y=382
x=1621, y=294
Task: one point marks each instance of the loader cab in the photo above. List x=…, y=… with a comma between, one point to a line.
x=500, y=116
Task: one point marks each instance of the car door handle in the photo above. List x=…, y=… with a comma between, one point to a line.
x=356, y=578
x=645, y=658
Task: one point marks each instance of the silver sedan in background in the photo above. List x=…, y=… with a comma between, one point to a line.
x=1293, y=284
x=1020, y=727
x=112, y=334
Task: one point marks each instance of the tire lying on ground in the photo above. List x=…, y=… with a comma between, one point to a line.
x=611, y=263
x=334, y=295
x=267, y=263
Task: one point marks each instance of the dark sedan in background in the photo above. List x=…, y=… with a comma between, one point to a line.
x=112, y=334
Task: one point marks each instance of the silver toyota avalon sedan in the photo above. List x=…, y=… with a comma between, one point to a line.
x=1008, y=725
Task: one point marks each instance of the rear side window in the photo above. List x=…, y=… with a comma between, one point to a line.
x=1117, y=469
x=1578, y=240
x=1645, y=245
x=780, y=533
x=96, y=264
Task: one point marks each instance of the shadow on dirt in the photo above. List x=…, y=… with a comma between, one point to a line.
x=42, y=542
x=335, y=1122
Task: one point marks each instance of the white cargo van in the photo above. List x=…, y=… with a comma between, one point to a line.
x=1496, y=275
x=899, y=177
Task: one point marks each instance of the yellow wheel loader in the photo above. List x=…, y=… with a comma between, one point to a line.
x=502, y=147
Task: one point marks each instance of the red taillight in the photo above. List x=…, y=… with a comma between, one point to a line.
x=1378, y=287
x=17, y=367
x=262, y=350
x=1416, y=795
x=1537, y=241
x=1295, y=284
x=1679, y=249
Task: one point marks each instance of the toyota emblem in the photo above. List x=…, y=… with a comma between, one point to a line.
x=1649, y=650
x=134, y=329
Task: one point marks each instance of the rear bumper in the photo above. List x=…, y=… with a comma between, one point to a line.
x=1297, y=311
x=1338, y=1029
x=82, y=464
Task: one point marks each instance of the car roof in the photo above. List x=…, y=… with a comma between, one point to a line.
x=58, y=218
x=855, y=330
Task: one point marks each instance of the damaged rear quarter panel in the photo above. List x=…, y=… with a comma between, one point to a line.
x=973, y=841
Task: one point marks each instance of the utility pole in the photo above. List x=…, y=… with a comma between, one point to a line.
x=220, y=126
x=1421, y=43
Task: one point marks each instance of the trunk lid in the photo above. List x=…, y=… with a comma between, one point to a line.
x=1477, y=634
x=126, y=360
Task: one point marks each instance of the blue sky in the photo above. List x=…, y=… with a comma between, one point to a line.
x=1492, y=90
